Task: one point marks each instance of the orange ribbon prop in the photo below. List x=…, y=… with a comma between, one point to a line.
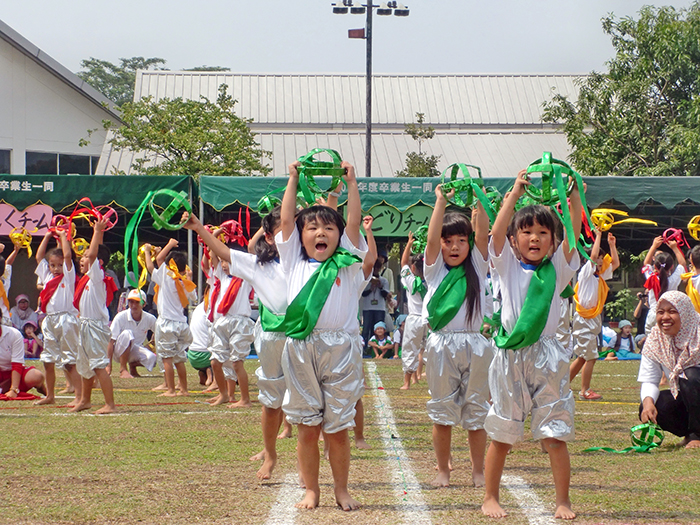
x=182, y=284
x=595, y=311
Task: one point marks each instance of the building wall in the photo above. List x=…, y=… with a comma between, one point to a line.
x=41, y=112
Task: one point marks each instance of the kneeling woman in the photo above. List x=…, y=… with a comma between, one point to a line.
x=673, y=348
x=14, y=376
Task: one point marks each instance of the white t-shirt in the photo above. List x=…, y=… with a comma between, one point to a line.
x=434, y=275
x=342, y=306
x=588, y=284
x=200, y=327
x=674, y=280
x=650, y=373
x=93, y=301
x=267, y=279
x=6, y=282
x=125, y=321
x=396, y=337
x=241, y=304
x=415, y=301
x=169, y=306
x=62, y=299
x=515, y=280
x=11, y=348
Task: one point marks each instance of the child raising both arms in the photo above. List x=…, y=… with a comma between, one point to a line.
x=458, y=355
x=322, y=260
x=530, y=370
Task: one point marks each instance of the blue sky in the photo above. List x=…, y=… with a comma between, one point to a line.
x=303, y=36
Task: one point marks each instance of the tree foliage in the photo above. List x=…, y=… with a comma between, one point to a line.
x=641, y=117
x=420, y=164
x=191, y=137
x=116, y=82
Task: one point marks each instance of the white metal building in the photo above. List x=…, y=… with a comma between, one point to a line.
x=493, y=121
x=44, y=112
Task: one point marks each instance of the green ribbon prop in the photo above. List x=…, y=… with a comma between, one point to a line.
x=269, y=321
x=535, y=310
x=468, y=190
x=303, y=312
x=311, y=168
x=420, y=239
x=267, y=203
x=448, y=298
x=650, y=437
x=419, y=287
x=495, y=198
x=554, y=192
x=179, y=201
x=567, y=292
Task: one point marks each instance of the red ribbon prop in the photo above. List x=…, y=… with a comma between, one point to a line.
x=674, y=234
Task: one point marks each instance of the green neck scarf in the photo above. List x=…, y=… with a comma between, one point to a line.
x=303, y=312
x=269, y=321
x=448, y=298
x=535, y=310
x=419, y=287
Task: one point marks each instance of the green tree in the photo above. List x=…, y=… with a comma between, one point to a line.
x=116, y=82
x=191, y=137
x=420, y=164
x=641, y=117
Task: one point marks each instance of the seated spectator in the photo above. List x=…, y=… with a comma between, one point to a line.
x=14, y=376
x=380, y=342
x=622, y=344
x=33, y=340
x=21, y=312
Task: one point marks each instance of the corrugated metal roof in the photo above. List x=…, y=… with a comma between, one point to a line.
x=340, y=99
x=498, y=154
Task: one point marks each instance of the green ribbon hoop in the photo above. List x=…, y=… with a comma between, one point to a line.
x=267, y=203
x=131, y=239
x=468, y=189
x=554, y=192
x=420, y=239
x=650, y=437
x=311, y=168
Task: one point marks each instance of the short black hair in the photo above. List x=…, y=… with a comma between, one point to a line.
x=180, y=259
x=527, y=216
x=417, y=262
x=695, y=256
x=103, y=254
x=265, y=251
x=323, y=214
x=54, y=252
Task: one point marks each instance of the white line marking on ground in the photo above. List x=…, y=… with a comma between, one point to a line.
x=413, y=507
x=120, y=414
x=527, y=500
x=284, y=512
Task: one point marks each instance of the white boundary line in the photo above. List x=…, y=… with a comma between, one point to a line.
x=412, y=505
x=527, y=500
x=283, y=511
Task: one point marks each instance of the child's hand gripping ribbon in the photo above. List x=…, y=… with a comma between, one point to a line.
x=468, y=190
x=23, y=238
x=674, y=234
x=420, y=239
x=311, y=168
x=179, y=200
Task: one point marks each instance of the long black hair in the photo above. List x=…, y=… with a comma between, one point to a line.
x=662, y=264
x=322, y=214
x=265, y=251
x=455, y=223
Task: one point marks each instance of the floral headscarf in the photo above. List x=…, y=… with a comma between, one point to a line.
x=679, y=352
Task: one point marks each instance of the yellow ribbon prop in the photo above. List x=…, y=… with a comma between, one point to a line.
x=604, y=219
x=143, y=276
x=591, y=313
x=182, y=284
x=80, y=245
x=22, y=238
x=694, y=227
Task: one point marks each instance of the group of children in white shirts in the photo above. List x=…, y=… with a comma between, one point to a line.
x=309, y=270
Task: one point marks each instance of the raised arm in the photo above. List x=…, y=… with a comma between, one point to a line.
x=97, y=236
x=480, y=224
x=505, y=214
x=163, y=255
x=148, y=253
x=371, y=257
x=406, y=254
x=612, y=242
x=649, y=259
x=352, y=228
x=680, y=256
x=210, y=238
x=66, y=249
x=575, y=209
x=289, y=202
x=11, y=258
x=433, y=245
x=41, y=251
x=332, y=200
x=254, y=240
x=595, y=250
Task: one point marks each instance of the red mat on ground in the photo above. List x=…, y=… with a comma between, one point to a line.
x=22, y=396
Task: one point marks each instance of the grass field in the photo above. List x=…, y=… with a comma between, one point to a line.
x=181, y=461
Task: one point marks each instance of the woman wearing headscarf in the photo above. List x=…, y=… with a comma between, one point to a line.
x=673, y=348
x=21, y=312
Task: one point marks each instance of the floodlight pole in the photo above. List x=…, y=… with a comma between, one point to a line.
x=368, y=103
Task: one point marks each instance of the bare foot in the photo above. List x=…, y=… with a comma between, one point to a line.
x=167, y=394
x=693, y=444
x=212, y=388
x=564, y=512
x=212, y=400
x=73, y=403
x=345, y=502
x=310, y=501
x=45, y=401
x=124, y=374
x=492, y=509
x=258, y=457
x=80, y=407
x=183, y=393
x=441, y=480
x=478, y=479
x=106, y=410
x=241, y=404
x=362, y=444
x=67, y=391
x=267, y=467
x=162, y=386
x=405, y=387
x=286, y=433
x=414, y=381
x=133, y=371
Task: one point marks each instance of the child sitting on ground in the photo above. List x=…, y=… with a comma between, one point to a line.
x=380, y=342
x=33, y=342
x=622, y=345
